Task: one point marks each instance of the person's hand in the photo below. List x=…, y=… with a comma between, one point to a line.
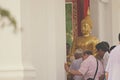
x=66, y=67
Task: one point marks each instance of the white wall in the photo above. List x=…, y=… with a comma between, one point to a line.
x=43, y=38
x=102, y=14
x=10, y=44
x=115, y=20
x=40, y=53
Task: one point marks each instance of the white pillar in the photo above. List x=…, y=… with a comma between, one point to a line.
x=27, y=47
x=11, y=67
x=43, y=23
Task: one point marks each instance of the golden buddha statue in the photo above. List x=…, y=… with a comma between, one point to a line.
x=86, y=41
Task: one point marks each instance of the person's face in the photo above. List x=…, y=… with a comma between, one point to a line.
x=77, y=55
x=84, y=56
x=100, y=53
x=85, y=28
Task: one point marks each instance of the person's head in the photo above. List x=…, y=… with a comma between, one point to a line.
x=78, y=53
x=102, y=47
x=86, y=25
x=106, y=43
x=86, y=54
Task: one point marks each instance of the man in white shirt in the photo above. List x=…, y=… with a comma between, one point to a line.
x=113, y=66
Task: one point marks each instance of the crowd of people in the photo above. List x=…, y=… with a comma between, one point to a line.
x=104, y=66
x=95, y=60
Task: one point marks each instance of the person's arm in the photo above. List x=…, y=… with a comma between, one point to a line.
x=106, y=75
x=74, y=72
x=108, y=68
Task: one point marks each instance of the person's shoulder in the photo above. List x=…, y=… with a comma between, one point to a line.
x=118, y=45
x=80, y=59
x=115, y=50
x=91, y=57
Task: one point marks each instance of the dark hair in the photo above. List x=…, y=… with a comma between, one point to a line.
x=112, y=47
x=104, y=46
x=119, y=37
x=106, y=43
x=88, y=52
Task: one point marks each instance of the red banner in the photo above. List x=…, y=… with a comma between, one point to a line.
x=86, y=6
x=82, y=9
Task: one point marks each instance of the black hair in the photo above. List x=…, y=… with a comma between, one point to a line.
x=106, y=43
x=88, y=52
x=119, y=37
x=104, y=46
x=112, y=47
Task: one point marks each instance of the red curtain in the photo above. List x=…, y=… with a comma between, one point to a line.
x=86, y=6
x=82, y=8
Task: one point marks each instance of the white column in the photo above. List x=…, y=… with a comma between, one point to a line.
x=43, y=23
x=27, y=36
x=11, y=67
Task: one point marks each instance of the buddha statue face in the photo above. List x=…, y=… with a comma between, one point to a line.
x=85, y=28
x=86, y=25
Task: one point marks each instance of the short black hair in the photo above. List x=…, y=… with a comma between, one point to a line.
x=88, y=52
x=106, y=43
x=112, y=47
x=102, y=46
x=119, y=37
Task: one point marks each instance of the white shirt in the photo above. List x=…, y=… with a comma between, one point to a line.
x=105, y=59
x=113, y=66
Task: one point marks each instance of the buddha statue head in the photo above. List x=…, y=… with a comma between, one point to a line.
x=86, y=25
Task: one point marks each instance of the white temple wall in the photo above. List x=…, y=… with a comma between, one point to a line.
x=115, y=20
x=105, y=15
x=39, y=54
x=43, y=38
